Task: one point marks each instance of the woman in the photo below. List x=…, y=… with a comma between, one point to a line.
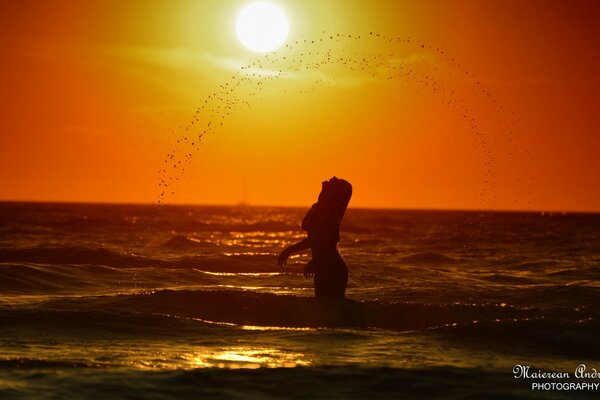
x=322, y=223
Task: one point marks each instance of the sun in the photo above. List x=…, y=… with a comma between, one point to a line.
x=262, y=27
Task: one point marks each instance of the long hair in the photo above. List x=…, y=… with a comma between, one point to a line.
x=331, y=206
x=342, y=194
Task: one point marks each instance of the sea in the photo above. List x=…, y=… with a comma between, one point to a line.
x=159, y=302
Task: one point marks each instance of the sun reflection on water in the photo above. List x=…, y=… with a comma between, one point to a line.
x=248, y=357
x=237, y=357
x=255, y=274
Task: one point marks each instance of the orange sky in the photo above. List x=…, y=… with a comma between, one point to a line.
x=95, y=93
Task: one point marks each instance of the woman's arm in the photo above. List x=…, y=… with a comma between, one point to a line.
x=295, y=248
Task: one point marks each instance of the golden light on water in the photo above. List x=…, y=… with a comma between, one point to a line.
x=276, y=328
x=235, y=357
x=249, y=357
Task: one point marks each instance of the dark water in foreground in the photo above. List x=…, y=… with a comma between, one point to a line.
x=105, y=301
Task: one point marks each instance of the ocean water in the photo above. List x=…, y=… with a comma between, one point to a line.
x=142, y=301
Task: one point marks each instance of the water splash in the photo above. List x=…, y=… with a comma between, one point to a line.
x=346, y=60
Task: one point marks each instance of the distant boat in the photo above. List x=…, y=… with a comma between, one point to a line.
x=244, y=201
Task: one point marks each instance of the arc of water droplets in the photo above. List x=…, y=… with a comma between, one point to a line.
x=340, y=50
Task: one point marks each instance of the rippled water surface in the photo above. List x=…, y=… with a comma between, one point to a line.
x=164, y=301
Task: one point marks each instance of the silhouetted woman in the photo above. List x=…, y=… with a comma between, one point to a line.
x=322, y=223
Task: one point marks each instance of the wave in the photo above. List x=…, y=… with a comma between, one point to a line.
x=545, y=336
x=190, y=313
x=92, y=321
x=532, y=265
x=71, y=255
x=579, y=272
x=510, y=279
x=22, y=363
x=182, y=242
x=39, y=279
x=265, y=309
x=31, y=278
x=426, y=258
x=76, y=255
x=325, y=382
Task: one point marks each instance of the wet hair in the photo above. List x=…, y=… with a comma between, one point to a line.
x=337, y=192
x=331, y=206
x=343, y=193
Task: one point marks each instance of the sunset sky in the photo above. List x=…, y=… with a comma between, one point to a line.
x=97, y=93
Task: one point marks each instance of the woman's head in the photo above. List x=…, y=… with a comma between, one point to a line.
x=336, y=192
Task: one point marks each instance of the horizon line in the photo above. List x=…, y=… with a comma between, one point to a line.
x=242, y=204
